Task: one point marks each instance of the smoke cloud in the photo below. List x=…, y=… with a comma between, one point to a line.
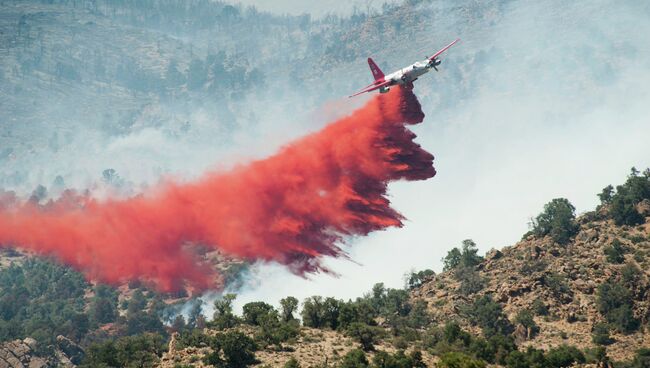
x=293, y=208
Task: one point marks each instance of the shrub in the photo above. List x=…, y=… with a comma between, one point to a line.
x=641, y=359
x=615, y=252
x=631, y=275
x=564, y=356
x=415, y=279
x=614, y=302
x=292, y=363
x=355, y=358
x=557, y=220
x=600, y=334
x=289, y=305
x=556, y=283
x=622, y=204
x=530, y=358
x=192, y=338
x=488, y=315
x=383, y=359
x=313, y=312
x=253, y=312
x=525, y=318
x=459, y=360
x=131, y=351
x=467, y=256
x=539, y=308
x=223, y=316
x=232, y=349
x=366, y=335
x=470, y=281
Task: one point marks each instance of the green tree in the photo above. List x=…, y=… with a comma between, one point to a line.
x=254, y=311
x=615, y=252
x=313, y=312
x=399, y=359
x=470, y=280
x=525, y=318
x=415, y=279
x=600, y=334
x=223, y=316
x=488, y=315
x=354, y=359
x=614, y=302
x=289, y=306
x=459, y=360
x=232, y=349
x=557, y=220
x=103, y=308
x=131, y=351
x=467, y=256
x=366, y=335
x=605, y=195
x=622, y=204
x=564, y=356
x=641, y=359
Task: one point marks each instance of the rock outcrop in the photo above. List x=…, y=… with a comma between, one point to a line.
x=24, y=354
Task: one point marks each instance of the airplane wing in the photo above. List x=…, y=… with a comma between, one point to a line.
x=443, y=49
x=372, y=87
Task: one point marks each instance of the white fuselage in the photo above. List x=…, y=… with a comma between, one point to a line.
x=410, y=73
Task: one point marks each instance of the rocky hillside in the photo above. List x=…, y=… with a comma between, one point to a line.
x=563, y=279
x=27, y=353
x=590, y=291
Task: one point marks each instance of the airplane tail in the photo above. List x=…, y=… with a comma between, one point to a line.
x=376, y=72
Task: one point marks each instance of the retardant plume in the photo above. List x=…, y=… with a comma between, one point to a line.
x=294, y=207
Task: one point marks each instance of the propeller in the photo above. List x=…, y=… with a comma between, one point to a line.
x=434, y=63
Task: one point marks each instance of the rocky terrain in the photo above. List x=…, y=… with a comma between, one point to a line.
x=25, y=354
x=517, y=276
x=563, y=278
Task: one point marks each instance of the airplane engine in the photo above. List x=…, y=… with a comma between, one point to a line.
x=384, y=89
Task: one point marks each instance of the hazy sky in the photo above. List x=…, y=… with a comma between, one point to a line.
x=315, y=7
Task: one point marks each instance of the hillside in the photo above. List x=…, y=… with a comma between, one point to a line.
x=565, y=278
x=573, y=290
x=583, y=299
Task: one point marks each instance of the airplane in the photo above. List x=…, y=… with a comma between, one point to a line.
x=405, y=76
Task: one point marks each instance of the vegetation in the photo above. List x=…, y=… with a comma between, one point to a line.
x=42, y=299
x=354, y=359
x=525, y=318
x=292, y=363
x=614, y=302
x=488, y=315
x=622, y=202
x=600, y=334
x=231, y=349
x=223, y=316
x=459, y=360
x=615, y=252
x=366, y=335
x=466, y=256
x=399, y=359
x=415, y=279
x=557, y=220
x=131, y=351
